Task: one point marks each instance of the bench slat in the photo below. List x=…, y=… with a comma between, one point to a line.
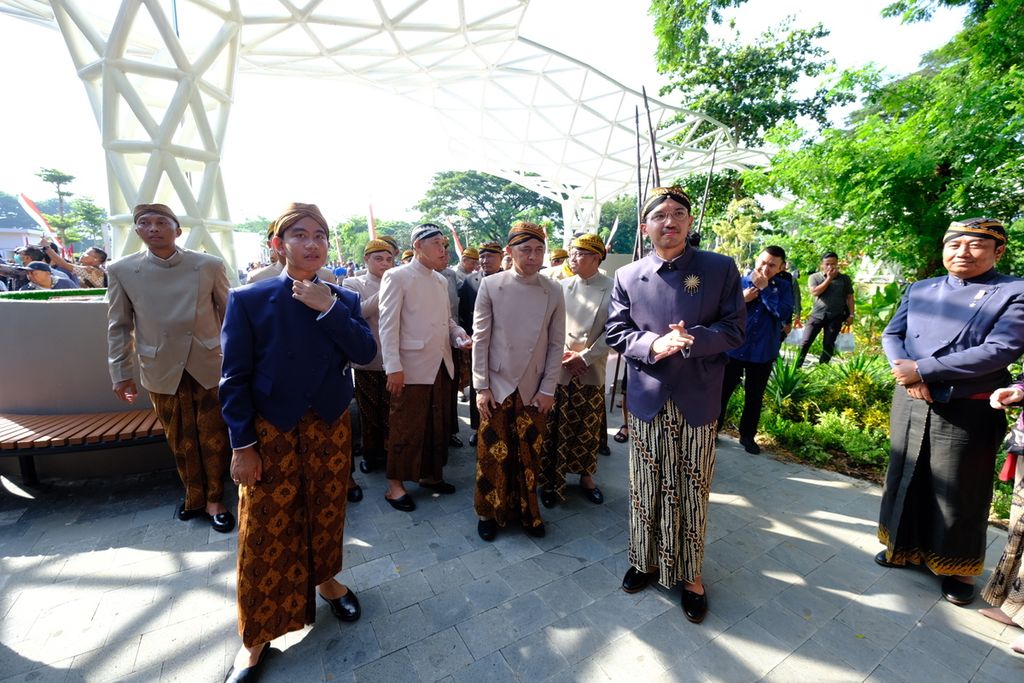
x=150, y=427
x=78, y=437
x=128, y=431
x=19, y=428
x=115, y=429
x=49, y=432
x=58, y=436
x=100, y=426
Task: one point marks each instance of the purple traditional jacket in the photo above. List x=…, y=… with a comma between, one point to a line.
x=700, y=288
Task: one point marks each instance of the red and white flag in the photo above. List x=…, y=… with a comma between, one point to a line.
x=455, y=236
x=373, y=225
x=36, y=215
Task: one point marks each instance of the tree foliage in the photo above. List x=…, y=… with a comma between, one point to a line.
x=946, y=142
x=258, y=225
x=622, y=208
x=354, y=232
x=736, y=231
x=486, y=205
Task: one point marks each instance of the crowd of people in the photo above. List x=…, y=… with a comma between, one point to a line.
x=256, y=382
x=43, y=267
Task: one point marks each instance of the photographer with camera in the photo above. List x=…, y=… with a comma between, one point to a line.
x=42, y=253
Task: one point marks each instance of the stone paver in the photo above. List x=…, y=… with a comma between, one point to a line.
x=99, y=582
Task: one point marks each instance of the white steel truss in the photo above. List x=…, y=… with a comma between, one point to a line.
x=512, y=107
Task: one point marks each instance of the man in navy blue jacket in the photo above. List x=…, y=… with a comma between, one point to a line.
x=285, y=391
x=673, y=316
x=769, y=300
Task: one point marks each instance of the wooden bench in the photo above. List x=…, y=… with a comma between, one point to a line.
x=26, y=436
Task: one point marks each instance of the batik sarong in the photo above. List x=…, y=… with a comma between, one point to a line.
x=418, y=430
x=291, y=525
x=507, y=458
x=197, y=437
x=938, y=487
x=671, y=465
x=1005, y=588
x=573, y=435
x=374, y=405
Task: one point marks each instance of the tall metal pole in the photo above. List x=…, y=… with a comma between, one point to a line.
x=654, y=145
x=707, y=188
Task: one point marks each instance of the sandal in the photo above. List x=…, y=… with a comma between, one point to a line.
x=622, y=436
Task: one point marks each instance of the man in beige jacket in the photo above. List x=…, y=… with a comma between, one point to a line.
x=575, y=424
x=166, y=304
x=417, y=334
x=518, y=332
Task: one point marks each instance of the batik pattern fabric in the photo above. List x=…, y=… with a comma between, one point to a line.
x=419, y=427
x=507, y=459
x=671, y=465
x=291, y=525
x=374, y=406
x=938, y=487
x=198, y=438
x=1005, y=588
x=573, y=435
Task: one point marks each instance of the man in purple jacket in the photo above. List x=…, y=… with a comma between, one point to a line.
x=673, y=316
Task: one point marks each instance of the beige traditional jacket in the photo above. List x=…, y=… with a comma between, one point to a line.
x=416, y=328
x=367, y=286
x=170, y=313
x=518, y=333
x=586, y=311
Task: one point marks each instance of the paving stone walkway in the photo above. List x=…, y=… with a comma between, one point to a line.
x=99, y=582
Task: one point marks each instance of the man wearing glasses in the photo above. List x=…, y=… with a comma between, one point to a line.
x=674, y=314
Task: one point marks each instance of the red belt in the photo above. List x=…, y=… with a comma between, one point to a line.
x=979, y=397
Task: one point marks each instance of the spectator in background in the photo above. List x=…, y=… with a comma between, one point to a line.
x=276, y=266
x=41, y=253
x=490, y=263
x=769, y=302
x=41, y=276
x=467, y=263
x=833, y=307
x=89, y=269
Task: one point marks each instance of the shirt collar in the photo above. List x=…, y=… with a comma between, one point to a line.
x=988, y=275
x=678, y=263
x=169, y=262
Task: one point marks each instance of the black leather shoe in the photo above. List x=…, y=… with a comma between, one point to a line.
x=365, y=467
x=346, y=607
x=185, y=515
x=223, y=521
x=957, y=592
x=405, y=503
x=472, y=439
x=537, y=531
x=750, y=446
x=880, y=559
x=355, y=494
x=635, y=580
x=249, y=674
x=455, y=441
x=695, y=606
x=487, y=528
x=547, y=499
x=442, y=487
x=594, y=495
x=604, y=450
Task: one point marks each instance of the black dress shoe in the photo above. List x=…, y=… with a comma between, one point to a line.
x=185, y=515
x=604, y=450
x=547, y=499
x=956, y=591
x=537, y=531
x=455, y=441
x=880, y=559
x=487, y=528
x=223, y=521
x=405, y=503
x=365, y=467
x=594, y=495
x=695, y=606
x=346, y=607
x=249, y=674
x=472, y=439
x=635, y=580
x=355, y=494
x=750, y=446
x=439, y=487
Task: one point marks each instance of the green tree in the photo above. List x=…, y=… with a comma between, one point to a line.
x=87, y=222
x=258, y=225
x=59, y=180
x=353, y=233
x=622, y=208
x=486, y=205
x=736, y=231
x=946, y=142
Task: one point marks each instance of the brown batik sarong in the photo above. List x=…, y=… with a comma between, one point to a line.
x=671, y=465
x=507, y=459
x=573, y=435
x=1005, y=588
x=198, y=438
x=291, y=525
x=374, y=403
x=418, y=430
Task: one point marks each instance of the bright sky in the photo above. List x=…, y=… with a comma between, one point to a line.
x=343, y=146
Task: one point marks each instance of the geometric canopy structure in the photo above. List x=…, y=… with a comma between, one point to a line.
x=160, y=76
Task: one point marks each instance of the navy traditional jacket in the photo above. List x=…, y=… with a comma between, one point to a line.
x=700, y=288
x=280, y=360
x=962, y=333
x=766, y=314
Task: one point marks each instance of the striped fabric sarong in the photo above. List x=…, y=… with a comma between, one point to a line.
x=671, y=464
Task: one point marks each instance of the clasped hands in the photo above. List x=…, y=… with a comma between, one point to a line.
x=574, y=363
x=675, y=340
x=907, y=375
x=486, y=404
